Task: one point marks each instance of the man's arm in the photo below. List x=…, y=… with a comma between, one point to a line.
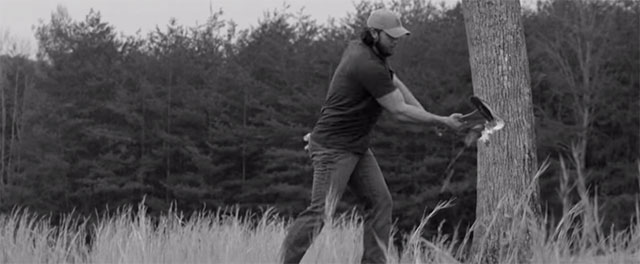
x=406, y=93
x=395, y=103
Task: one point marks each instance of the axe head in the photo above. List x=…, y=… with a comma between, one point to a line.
x=482, y=107
x=478, y=117
x=475, y=122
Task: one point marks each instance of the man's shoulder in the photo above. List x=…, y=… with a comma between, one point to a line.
x=358, y=50
x=363, y=58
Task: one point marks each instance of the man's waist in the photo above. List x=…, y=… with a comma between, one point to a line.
x=354, y=143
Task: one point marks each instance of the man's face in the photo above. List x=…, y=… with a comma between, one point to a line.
x=386, y=44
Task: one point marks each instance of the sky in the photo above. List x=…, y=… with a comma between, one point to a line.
x=18, y=17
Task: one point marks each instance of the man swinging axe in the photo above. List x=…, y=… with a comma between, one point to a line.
x=363, y=85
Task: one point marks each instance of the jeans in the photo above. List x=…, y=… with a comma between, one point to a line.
x=333, y=171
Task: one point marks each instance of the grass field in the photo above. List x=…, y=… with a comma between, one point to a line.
x=226, y=236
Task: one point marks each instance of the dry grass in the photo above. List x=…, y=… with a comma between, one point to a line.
x=229, y=237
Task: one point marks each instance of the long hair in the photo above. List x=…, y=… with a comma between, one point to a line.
x=367, y=37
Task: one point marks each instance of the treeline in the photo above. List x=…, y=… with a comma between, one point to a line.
x=210, y=116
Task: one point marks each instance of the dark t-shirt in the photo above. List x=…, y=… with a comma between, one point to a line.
x=350, y=110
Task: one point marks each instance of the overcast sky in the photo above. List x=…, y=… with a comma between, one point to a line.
x=18, y=17
x=128, y=16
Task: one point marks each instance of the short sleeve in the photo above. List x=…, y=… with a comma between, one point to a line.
x=376, y=79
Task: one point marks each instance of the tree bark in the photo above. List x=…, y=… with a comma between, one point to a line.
x=245, y=98
x=28, y=87
x=3, y=112
x=167, y=144
x=506, y=165
x=14, y=121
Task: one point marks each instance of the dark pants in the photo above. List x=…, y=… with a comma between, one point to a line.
x=333, y=171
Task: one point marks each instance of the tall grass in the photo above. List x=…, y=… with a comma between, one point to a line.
x=226, y=236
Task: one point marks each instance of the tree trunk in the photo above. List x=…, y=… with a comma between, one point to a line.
x=21, y=119
x=167, y=145
x=507, y=164
x=14, y=122
x=244, y=132
x=142, y=167
x=3, y=112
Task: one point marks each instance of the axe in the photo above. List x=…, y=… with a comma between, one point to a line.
x=478, y=125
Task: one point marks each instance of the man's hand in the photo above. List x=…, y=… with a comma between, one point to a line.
x=453, y=121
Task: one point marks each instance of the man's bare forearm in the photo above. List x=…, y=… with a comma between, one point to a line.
x=406, y=93
x=416, y=114
x=395, y=103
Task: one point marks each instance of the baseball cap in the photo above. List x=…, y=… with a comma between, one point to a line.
x=388, y=21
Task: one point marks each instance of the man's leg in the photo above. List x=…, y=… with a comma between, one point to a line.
x=368, y=183
x=331, y=172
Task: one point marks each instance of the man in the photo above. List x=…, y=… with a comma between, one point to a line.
x=362, y=86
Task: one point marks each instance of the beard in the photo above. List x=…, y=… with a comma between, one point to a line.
x=383, y=50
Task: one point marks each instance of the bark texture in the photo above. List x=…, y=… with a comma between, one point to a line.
x=507, y=164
